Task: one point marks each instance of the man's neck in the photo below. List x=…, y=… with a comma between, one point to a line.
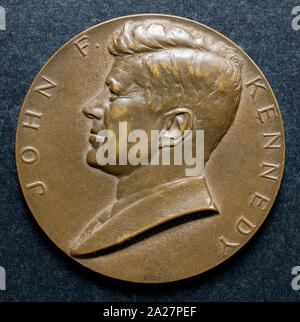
x=147, y=177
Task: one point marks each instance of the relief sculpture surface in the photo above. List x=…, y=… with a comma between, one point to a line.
x=150, y=148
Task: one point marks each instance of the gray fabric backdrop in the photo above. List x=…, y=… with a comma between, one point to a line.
x=36, y=269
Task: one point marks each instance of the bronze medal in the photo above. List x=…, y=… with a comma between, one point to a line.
x=150, y=148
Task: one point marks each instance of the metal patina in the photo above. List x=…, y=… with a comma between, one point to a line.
x=143, y=222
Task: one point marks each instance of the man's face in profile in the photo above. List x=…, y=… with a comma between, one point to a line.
x=172, y=90
x=121, y=100
x=172, y=81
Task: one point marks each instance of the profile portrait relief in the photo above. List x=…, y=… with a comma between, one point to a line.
x=175, y=80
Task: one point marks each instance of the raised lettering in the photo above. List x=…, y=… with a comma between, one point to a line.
x=225, y=245
x=29, y=155
x=267, y=111
x=32, y=120
x=272, y=168
x=255, y=84
x=274, y=137
x=244, y=226
x=82, y=44
x=259, y=200
x=43, y=89
x=39, y=186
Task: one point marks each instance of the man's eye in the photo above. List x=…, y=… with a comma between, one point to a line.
x=113, y=96
x=112, y=91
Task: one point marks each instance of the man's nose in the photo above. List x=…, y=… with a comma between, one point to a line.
x=93, y=113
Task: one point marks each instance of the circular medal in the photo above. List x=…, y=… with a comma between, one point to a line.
x=150, y=148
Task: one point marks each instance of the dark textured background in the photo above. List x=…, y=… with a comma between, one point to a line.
x=36, y=269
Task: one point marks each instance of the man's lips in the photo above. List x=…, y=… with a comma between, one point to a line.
x=96, y=140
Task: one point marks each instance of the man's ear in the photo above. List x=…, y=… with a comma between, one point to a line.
x=177, y=125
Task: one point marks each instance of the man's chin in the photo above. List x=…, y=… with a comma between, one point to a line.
x=115, y=170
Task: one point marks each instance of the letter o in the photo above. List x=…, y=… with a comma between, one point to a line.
x=29, y=155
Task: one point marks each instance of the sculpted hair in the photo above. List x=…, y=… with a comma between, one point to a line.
x=177, y=66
